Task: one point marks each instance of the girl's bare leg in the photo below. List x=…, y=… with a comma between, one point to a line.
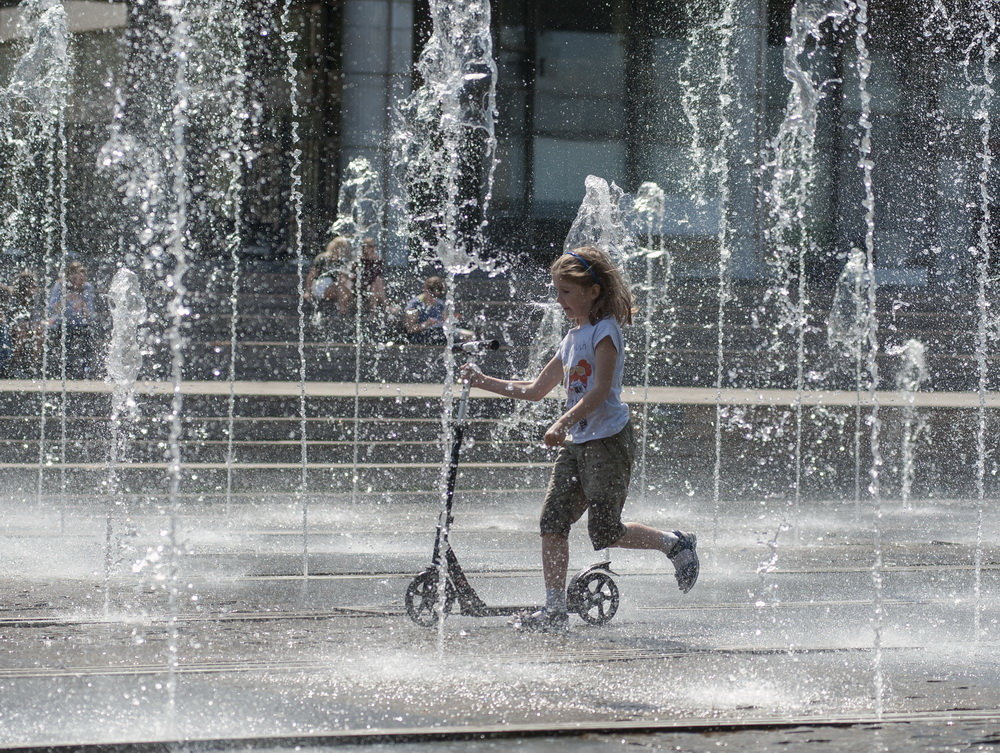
x=555, y=561
x=639, y=536
x=552, y=618
x=685, y=561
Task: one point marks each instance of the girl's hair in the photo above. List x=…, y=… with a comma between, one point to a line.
x=589, y=265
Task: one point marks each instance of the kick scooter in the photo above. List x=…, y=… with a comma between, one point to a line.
x=592, y=593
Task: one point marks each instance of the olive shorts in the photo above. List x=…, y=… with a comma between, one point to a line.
x=592, y=476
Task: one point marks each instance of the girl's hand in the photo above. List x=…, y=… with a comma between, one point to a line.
x=556, y=435
x=470, y=373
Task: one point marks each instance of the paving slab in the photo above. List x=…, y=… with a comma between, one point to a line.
x=224, y=637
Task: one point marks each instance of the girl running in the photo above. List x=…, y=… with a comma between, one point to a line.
x=594, y=435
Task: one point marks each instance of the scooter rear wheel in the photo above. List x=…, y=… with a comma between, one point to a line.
x=595, y=598
x=422, y=598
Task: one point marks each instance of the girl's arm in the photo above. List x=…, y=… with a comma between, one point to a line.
x=534, y=390
x=605, y=356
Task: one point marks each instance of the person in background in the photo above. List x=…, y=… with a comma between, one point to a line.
x=72, y=320
x=327, y=285
x=424, y=316
x=6, y=339
x=27, y=327
x=367, y=281
x=369, y=273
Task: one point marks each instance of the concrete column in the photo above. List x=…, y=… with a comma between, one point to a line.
x=377, y=57
x=747, y=68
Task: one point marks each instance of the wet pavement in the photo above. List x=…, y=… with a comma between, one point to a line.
x=786, y=642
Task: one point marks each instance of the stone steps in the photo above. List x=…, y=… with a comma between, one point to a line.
x=288, y=452
x=273, y=479
x=685, y=339
x=757, y=450
x=679, y=366
x=746, y=362
x=273, y=429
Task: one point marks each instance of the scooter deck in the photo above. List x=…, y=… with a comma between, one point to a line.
x=495, y=611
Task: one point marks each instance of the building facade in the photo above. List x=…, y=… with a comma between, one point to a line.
x=668, y=91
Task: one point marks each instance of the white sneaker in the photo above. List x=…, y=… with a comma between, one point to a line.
x=542, y=621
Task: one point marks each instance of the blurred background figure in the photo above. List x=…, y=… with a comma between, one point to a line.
x=425, y=313
x=327, y=289
x=6, y=338
x=369, y=273
x=340, y=279
x=424, y=316
x=27, y=327
x=72, y=320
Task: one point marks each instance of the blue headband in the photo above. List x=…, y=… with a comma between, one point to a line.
x=586, y=265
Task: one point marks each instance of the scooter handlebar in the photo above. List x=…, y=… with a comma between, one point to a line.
x=476, y=347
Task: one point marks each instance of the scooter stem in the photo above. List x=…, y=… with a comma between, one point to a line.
x=463, y=404
x=445, y=516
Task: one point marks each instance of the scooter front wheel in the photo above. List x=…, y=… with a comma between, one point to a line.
x=594, y=596
x=422, y=598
